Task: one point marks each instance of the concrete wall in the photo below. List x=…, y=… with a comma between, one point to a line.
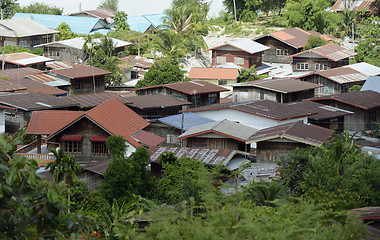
x=15, y=119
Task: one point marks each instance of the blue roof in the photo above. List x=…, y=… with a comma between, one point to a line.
x=372, y=83
x=155, y=19
x=138, y=23
x=190, y=120
x=78, y=25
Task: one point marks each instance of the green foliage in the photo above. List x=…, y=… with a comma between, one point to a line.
x=368, y=48
x=264, y=193
x=163, y=71
x=111, y=4
x=22, y=138
x=355, y=88
x=65, y=32
x=40, y=8
x=15, y=49
x=9, y=7
x=116, y=146
x=121, y=21
x=248, y=74
x=314, y=41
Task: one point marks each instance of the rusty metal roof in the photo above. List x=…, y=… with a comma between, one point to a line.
x=24, y=58
x=148, y=139
x=35, y=86
x=243, y=44
x=58, y=65
x=357, y=5
x=42, y=77
x=296, y=131
x=30, y=101
x=207, y=156
x=18, y=73
x=263, y=108
x=9, y=86
x=99, y=167
x=136, y=62
x=191, y=87
x=102, y=13
x=213, y=73
x=363, y=99
x=95, y=99
x=285, y=85
x=330, y=51
x=81, y=72
x=323, y=111
x=155, y=101
x=341, y=75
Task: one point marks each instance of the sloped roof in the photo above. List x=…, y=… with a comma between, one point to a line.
x=372, y=83
x=357, y=5
x=191, y=87
x=323, y=111
x=79, y=42
x=244, y=44
x=297, y=131
x=35, y=86
x=285, y=85
x=78, y=25
x=330, y=51
x=18, y=73
x=95, y=99
x=58, y=65
x=262, y=108
x=23, y=27
x=136, y=62
x=207, y=156
x=189, y=120
x=24, y=58
x=340, y=75
x=81, y=72
x=138, y=23
x=225, y=127
x=9, y=86
x=213, y=73
x=364, y=99
x=155, y=19
x=102, y=13
x=148, y=139
x=155, y=101
x=365, y=68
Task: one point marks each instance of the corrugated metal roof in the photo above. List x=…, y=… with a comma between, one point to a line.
x=35, y=86
x=244, y=44
x=9, y=86
x=99, y=167
x=23, y=27
x=102, y=13
x=280, y=85
x=263, y=108
x=365, y=68
x=148, y=139
x=357, y=5
x=189, y=120
x=138, y=23
x=330, y=51
x=58, y=65
x=207, y=156
x=78, y=25
x=155, y=19
x=18, y=73
x=95, y=99
x=372, y=83
x=225, y=127
x=296, y=131
x=30, y=101
x=79, y=42
x=323, y=111
x=155, y=101
x=24, y=58
x=213, y=73
x=341, y=75
x=81, y=72
x=136, y=62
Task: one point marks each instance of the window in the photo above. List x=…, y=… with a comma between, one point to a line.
x=319, y=66
x=220, y=60
x=243, y=90
x=78, y=84
x=72, y=146
x=97, y=82
x=9, y=43
x=212, y=98
x=281, y=52
x=302, y=66
x=222, y=82
x=23, y=43
x=239, y=61
x=372, y=116
x=34, y=41
x=99, y=148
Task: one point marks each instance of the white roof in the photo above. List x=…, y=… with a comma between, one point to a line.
x=32, y=60
x=79, y=42
x=365, y=68
x=23, y=27
x=248, y=45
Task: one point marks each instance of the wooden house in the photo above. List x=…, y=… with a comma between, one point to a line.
x=242, y=53
x=279, y=90
x=321, y=58
x=368, y=7
x=274, y=142
x=218, y=76
x=24, y=59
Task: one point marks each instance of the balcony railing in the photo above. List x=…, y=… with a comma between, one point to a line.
x=45, y=158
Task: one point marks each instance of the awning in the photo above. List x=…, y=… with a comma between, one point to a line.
x=98, y=139
x=72, y=138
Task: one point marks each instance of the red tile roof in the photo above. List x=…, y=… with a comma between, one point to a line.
x=148, y=139
x=213, y=73
x=81, y=72
x=330, y=51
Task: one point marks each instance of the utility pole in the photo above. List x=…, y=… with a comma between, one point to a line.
x=138, y=51
x=235, y=10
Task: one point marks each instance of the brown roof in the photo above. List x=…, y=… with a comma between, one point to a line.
x=99, y=167
x=135, y=62
x=323, y=111
x=213, y=73
x=263, y=108
x=50, y=121
x=81, y=72
x=191, y=87
x=9, y=86
x=148, y=139
x=102, y=13
x=34, y=86
x=30, y=101
x=208, y=156
x=94, y=99
x=24, y=58
x=330, y=51
x=18, y=73
x=155, y=101
x=42, y=77
x=363, y=99
x=296, y=131
x=367, y=5
x=59, y=65
x=340, y=75
x=280, y=85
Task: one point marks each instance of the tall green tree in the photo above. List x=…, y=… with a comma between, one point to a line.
x=111, y=4
x=121, y=21
x=65, y=32
x=8, y=7
x=248, y=74
x=368, y=48
x=314, y=41
x=40, y=8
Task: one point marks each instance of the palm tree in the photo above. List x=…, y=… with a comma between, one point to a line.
x=64, y=168
x=178, y=19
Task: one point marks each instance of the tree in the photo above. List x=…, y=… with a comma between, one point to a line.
x=355, y=88
x=368, y=48
x=64, y=168
x=314, y=41
x=40, y=8
x=121, y=21
x=16, y=49
x=248, y=74
x=111, y=4
x=163, y=71
x=65, y=32
x=8, y=7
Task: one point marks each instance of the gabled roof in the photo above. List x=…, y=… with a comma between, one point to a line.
x=357, y=5
x=213, y=73
x=135, y=61
x=365, y=68
x=297, y=131
x=143, y=22
x=364, y=99
x=155, y=19
x=262, y=108
x=81, y=72
x=191, y=87
x=372, y=83
x=323, y=111
x=35, y=86
x=23, y=27
x=9, y=86
x=95, y=99
x=155, y=101
x=148, y=139
x=58, y=65
x=207, y=156
x=24, y=58
x=225, y=128
x=330, y=51
x=18, y=73
x=279, y=85
x=189, y=120
x=79, y=42
x=102, y=13
x=244, y=44
x=78, y=25
x=47, y=79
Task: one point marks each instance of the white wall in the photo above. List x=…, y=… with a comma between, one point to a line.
x=130, y=149
x=2, y=121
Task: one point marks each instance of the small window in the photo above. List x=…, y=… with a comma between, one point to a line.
x=99, y=148
x=212, y=98
x=23, y=43
x=72, y=146
x=78, y=84
x=372, y=116
x=319, y=66
x=239, y=61
x=302, y=66
x=281, y=52
x=222, y=82
x=220, y=60
x=243, y=90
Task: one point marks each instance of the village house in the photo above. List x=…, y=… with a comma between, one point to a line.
x=144, y=23
x=369, y=7
x=199, y=93
x=285, y=43
x=24, y=32
x=274, y=142
x=24, y=59
x=339, y=80
x=136, y=66
x=105, y=14
x=365, y=106
x=242, y=53
x=321, y=58
x=218, y=76
x=279, y=90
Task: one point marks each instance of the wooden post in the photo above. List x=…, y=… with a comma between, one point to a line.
x=38, y=144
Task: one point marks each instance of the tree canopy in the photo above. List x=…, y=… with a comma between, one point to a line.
x=314, y=41
x=40, y=8
x=368, y=48
x=65, y=32
x=111, y=4
x=8, y=7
